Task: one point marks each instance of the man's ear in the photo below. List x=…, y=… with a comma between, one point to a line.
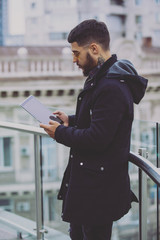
x=94, y=48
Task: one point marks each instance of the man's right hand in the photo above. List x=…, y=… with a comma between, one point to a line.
x=63, y=116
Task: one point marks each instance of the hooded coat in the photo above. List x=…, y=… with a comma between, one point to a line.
x=96, y=187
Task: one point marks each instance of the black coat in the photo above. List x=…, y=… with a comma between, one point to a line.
x=96, y=186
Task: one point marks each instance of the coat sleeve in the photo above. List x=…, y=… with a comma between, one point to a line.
x=72, y=120
x=108, y=111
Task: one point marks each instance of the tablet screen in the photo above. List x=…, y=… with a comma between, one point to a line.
x=39, y=111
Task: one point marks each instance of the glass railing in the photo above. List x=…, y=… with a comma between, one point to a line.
x=17, y=173
x=16, y=227
x=32, y=167
x=54, y=161
x=145, y=135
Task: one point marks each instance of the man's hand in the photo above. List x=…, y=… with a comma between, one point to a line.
x=62, y=116
x=51, y=128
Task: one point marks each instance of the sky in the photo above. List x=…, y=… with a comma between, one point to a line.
x=16, y=17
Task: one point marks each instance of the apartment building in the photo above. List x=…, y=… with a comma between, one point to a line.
x=3, y=21
x=49, y=21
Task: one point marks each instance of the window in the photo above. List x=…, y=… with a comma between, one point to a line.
x=153, y=195
x=5, y=152
x=138, y=2
x=138, y=19
x=23, y=206
x=116, y=22
x=157, y=17
x=51, y=208
x=139, y=36
x=33, y=5
x=6, y=204
x=156, y=37
x=57, y=35
x=148, y=137
x=117, y=2
x=49, y=159
x=95, y=3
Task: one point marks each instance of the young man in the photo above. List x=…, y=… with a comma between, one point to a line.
x=96, y=189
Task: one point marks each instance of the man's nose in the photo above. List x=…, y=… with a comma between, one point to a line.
x=75, y=59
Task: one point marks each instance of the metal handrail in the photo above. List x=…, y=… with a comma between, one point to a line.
x=141, y=162
x=144, y=164
x=23, y=128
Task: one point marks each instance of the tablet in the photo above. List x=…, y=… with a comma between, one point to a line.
x=39, y=111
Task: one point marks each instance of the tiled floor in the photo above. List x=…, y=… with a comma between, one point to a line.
x=6, y=236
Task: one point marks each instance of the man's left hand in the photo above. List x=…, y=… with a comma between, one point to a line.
x=51, y=128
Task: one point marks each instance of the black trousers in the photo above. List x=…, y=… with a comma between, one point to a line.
x=86, y=232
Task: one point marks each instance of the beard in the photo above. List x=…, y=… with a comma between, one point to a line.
x=89, y=65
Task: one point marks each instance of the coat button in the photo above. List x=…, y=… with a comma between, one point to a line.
x=71, y=156
x=79, y=98
x=66, y=184
x=81, y=163
x=91, y=84
x=102, y=168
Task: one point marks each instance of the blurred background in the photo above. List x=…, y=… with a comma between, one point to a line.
x=36, y=59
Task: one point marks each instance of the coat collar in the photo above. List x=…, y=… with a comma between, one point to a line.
x=99, y=72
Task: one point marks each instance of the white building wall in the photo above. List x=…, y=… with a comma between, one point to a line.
x=48, y=19
x=131, y=19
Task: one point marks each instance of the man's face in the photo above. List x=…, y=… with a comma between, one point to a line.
x=83, y=58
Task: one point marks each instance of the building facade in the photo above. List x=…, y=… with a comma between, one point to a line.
x=3, y=21
x=49, y=22
x=6, y=39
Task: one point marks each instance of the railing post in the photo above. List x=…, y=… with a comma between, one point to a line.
x=142, y=200
x=158, y=188
x=38, y=186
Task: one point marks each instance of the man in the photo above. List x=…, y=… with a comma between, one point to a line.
x=96, y=189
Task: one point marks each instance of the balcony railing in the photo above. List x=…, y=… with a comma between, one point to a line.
x=143, y=224
x=38, y=67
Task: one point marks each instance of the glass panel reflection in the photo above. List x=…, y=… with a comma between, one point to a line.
x=17, y=177
x=158, y=188
x=54, y=160
x=144, y=136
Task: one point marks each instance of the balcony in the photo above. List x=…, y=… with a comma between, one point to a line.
x=37, y=62
x=32, y=166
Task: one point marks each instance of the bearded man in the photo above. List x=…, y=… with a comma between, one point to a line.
x=96, y=188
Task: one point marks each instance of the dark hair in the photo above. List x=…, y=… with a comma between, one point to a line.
x=90, y=31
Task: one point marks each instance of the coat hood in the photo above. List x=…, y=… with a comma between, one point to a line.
x=124, y=70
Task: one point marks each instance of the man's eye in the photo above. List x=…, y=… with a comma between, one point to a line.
x=76, y=54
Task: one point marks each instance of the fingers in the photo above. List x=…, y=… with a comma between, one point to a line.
x=52, y=122
x=47, y=126
x=57, y=112
x=43, y=125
